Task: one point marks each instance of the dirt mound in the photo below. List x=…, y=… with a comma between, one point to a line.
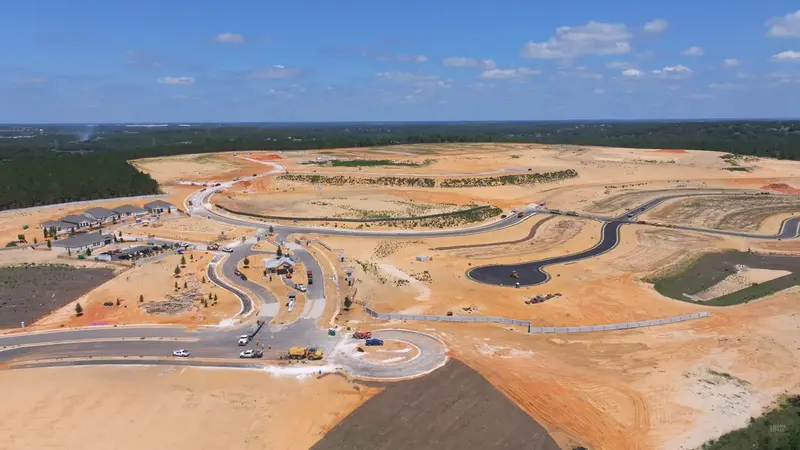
x=454, y=407
x=781, y=187
x=262, y=157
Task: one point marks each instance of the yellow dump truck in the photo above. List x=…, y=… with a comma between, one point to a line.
x=311, y=353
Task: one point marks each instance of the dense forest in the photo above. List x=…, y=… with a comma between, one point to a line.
x=49, y=163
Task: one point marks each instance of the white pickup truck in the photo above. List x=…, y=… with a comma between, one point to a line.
x=244, y=339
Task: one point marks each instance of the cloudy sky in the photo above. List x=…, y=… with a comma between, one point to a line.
x=353, y=60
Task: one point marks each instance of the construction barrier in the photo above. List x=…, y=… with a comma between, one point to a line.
x=531, y=328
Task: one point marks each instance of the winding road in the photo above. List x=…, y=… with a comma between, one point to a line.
x=216, y=347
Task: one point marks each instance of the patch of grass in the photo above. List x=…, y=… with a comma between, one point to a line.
x=515, y=156
x=755, y=292
x=778, y=429
x=738, y=169
x=523, y=179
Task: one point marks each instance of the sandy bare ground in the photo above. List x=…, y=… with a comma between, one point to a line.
x=726, y=213
x=139, y=407
x=201, y=167
x=154, y=281
x=192, y=229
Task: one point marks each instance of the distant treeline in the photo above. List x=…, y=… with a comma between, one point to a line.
x=33, y=157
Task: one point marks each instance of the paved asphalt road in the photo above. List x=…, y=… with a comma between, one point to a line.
x=222, y=343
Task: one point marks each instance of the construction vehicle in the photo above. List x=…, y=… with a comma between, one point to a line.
x=642, y=222
x=572, y=213
x=374, y=341
x=555, y=211
x=514, y=274
x=311, y=353
x=362, y=335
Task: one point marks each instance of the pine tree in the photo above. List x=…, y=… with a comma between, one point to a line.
x=279, y=252
x=185, y=285
x=49, y=245
x=117, y=301
x=177, y=271
x=246, y=261
x=215, y=297
x=183, y=260
x=141, y=298
x=78, y=309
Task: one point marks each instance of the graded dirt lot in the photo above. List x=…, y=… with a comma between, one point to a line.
x=97, y=408
x=29, y=292
x=454, y=407
x=193, y=229
x=162, y=303
x=726, y=213
x=203, y=167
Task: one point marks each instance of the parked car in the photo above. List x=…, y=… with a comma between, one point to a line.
x=244, y=339
x=237, y=272
x=301, y=287
x=183, y=353
x=251, y=354
x=374, y=341
x=243, y=277
x=227, y=250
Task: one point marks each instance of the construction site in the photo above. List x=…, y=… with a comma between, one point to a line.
x=636, y=299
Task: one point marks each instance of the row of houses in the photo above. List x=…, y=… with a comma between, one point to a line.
x=93, y=217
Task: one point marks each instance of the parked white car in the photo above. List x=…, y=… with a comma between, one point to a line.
x=227, y=250
x=251, y=354
x=244, y=339
x=183, y=353
x=301, y=287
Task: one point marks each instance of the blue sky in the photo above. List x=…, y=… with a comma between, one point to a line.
x=356, y=60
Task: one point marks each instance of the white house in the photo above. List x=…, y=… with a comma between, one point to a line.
x=280, y=265
x=57, y=225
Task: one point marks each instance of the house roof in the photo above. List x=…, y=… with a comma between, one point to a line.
x=100, y=212
x=128, y=209
x=159, y=204
x=57, y=224
x=273, y=263
x=76, y=219
x=81, y=240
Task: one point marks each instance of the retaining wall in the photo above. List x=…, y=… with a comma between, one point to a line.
x=531, y=328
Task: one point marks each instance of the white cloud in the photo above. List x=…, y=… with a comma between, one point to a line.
x=594, y=38
x=693, y=51
x=176, y=80
x=787, y=56
x=505, y=74
x=674, y=72
x=732, y=62
x=469, y=62
x=656, y=26
x=632, y=73
x=699, y=96
x=725, y=86
x=276, y=72
x=229, y=38
x=620, y=65
x=784, y=77
x=786, y=26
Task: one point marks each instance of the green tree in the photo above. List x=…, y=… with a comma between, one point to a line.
x=49, y=245
x=191, y=257
x=347, y=302
x=246, y=262
x=141, y=298
x=21, y=238
x=88, y=252
x=204, y=279
x=177, y=271
x=205, y=303
x=209, y=296
x=215, y=297
x=279, y=252
x=46, y=232
x=78, y=309
x=185, y=285
x=183, y=260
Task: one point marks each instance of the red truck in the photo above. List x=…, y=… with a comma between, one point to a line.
x=362, y=335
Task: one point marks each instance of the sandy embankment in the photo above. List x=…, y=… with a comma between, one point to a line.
x=168, y=407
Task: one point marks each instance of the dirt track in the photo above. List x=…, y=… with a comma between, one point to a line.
x=530, y=236
x=452, y=408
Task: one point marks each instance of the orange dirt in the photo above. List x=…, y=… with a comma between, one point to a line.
x=781, y=187
x=263, y=157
